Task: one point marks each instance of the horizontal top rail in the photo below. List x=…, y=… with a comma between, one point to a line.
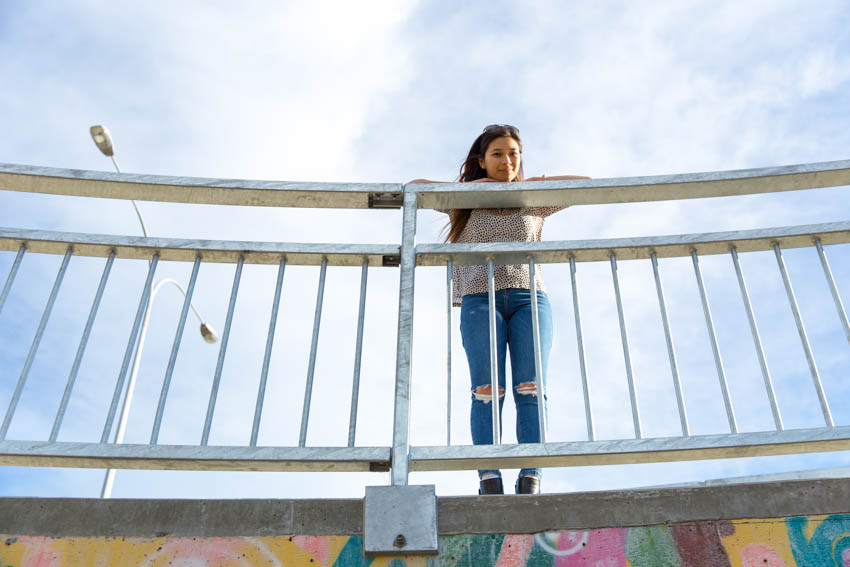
x=678, y=245
x=185, y=250
x=200, y=190
x=633, y=189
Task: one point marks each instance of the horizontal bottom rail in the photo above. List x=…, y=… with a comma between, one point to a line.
x=193, y=457
x=630, y=451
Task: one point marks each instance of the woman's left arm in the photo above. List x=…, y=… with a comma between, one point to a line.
x=556, y=177
x=546, y=211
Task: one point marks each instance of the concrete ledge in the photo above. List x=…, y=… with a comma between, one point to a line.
x=64, y=517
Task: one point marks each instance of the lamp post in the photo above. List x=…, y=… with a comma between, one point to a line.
x=103, y=140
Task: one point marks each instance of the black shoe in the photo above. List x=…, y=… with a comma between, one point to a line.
x=491, y=486
x=528, y=485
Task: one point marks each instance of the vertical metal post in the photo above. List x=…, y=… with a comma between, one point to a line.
x=804, y=339
x=671, y=352
x=13, y=271
x=267, y=356
x=768, y=383
x=358, y=351
x=175, y=348
x=624, y=336
x=69, y=386
x=827, y=272
x=404, y=345
x=495, y=400
x=222, y=352
x=128, y=353
x=19, y=388
x=308, y=388
x=449, y=294
x=588, y=414
x=538, y=360
x=718, y=361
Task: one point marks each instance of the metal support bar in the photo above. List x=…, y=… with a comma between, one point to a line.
x=13, y=271
x=626, y=355
x=128, y=353
x=718, y=361
x=804, y=339
x=404, y=345
x=308, y=387
x=19, y=388
x=839, y=306
x=588, y=414
x=358, y=352
x=175, y=348
x=768, y=382
x=449, y=299
x=495, y=399
x=69, y=386
x=538, y=360
x=267, y=356
x=222, y=352
x=671, y=351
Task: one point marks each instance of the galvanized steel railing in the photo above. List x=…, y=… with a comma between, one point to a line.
x=401, y=457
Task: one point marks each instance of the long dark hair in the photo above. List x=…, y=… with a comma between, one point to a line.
x=472, y=170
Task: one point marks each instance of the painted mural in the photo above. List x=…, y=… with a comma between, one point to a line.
x=812, y=541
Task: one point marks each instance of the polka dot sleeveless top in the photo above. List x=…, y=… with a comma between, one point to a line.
x=499, y=225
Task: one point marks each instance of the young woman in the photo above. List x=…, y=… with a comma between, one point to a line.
x=496, y=155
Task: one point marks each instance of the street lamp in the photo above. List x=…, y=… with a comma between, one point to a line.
x=103, y=140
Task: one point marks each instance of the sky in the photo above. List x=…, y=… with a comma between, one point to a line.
x=389, y=92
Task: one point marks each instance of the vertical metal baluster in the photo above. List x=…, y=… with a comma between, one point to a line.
x=718, y=361
x=804, y=339
x=768, y=383
x=671, y=352
x=13, y=271
x=225, y=335
x=494, y=368
x=128, y=353
x=308, y=387
x=175, y=348
x=839, y=306
x=19, y=388
x=358, y=351
x=69, y=386
x=449, y=293
x=538, y=360
x=264, y=374
x=404, y=342
x=626, y=354
x=588, y=414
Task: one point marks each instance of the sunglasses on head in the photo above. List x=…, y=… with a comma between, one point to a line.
x=495, y=127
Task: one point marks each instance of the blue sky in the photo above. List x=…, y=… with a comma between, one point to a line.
x=391, y=91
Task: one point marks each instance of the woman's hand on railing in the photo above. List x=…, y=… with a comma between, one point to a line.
x=556, y=177
x=423, y=181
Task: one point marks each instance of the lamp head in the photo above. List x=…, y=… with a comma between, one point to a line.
x=101, y=137
x=208, y=333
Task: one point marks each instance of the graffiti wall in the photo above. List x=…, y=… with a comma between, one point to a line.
x=812, y=541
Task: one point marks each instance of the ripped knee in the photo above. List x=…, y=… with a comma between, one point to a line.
x=527, y=389
x=485, y=393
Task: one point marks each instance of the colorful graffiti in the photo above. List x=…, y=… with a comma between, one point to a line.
x=813, y=541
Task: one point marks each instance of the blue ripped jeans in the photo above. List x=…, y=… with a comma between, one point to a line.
x=513, y=327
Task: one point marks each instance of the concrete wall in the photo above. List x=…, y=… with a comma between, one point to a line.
x=59, y=532
x=800, y=541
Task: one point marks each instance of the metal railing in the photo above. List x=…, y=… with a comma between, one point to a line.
x=401, y=458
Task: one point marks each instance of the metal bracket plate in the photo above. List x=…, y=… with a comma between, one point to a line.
x=400, y=520
x=386, y=200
